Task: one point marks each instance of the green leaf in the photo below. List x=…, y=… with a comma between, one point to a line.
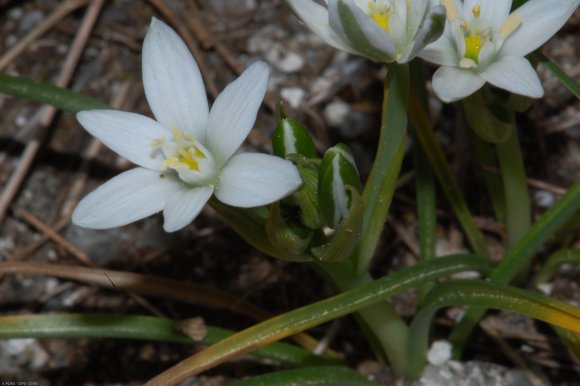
x=568, y=82
x=424, y=130
x=312, y=376
x=136, y=327
x=556, y=259
x=483, y=294
x=315, y=314
x=520, y=255
x=489, y=119
x=58, y=97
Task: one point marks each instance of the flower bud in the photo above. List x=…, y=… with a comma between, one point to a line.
x=337, y=172
x=290, y=137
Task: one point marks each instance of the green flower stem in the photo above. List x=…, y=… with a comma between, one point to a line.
x=380, y=186
x=519, y=256
x=518, y=207
x=387, y=328
x=426, y=136
x=424, y=185
x=493, y=180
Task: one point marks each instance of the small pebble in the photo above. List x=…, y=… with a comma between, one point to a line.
x=439, y=353
x=293, y=95
x=544, y=198
x=336, y=112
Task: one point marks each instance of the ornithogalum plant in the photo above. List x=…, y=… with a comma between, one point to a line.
x=298, y=206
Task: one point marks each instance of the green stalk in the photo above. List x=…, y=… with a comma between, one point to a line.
x=388, y=330
x=493, y=180
x=380, y=186
x=517, y=196
x=426, y=136
x=424, y=184
x=519, y=256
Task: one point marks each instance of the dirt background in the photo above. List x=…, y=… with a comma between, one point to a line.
x=336, y=95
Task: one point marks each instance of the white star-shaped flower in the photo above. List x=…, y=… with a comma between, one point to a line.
x=483, y=42
x=381, y=30
x=187, y=153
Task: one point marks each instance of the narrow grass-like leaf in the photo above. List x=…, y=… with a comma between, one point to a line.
x=556, y=259
x=315, y=314
x=520, y=255
x=483, y=294
x=40, y=92
x=447, y=181
x=150, y=285
x=567, y=81
x=136, y=327
x=426, y=195
x=310, y=376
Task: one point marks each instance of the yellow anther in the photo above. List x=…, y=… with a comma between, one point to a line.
x=169, y=162
x=476, y=10
x=198, y=153
x=176, y=133
x=463, y=25
x=510, y=25
x=379, y=16
x=158, y=142
x=451, y=9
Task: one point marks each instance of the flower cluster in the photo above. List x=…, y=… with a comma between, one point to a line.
x=187, y=153
x=381, y=30
x=481, y=42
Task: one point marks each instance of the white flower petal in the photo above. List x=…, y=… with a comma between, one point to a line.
x=429, y=30
x=451, y=83
x=541, y=19
x=494, y=12
x=127, y=134
x=183, y=206
x=128, y=197
x=443, y=51
x=172, y=81
x=315, y=16
x=515, y=74
x=353, y=25
x=233, y=113
x=253, y=179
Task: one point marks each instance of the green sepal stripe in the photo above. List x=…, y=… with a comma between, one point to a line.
x=290, y=137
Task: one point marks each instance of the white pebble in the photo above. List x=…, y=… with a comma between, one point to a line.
x=336, y=112
x=544, y=199
x=439, y=353
x=293, y=95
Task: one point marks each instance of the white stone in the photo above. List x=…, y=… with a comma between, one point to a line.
x=293, y=95
x=336, y=112
x=439, y=353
